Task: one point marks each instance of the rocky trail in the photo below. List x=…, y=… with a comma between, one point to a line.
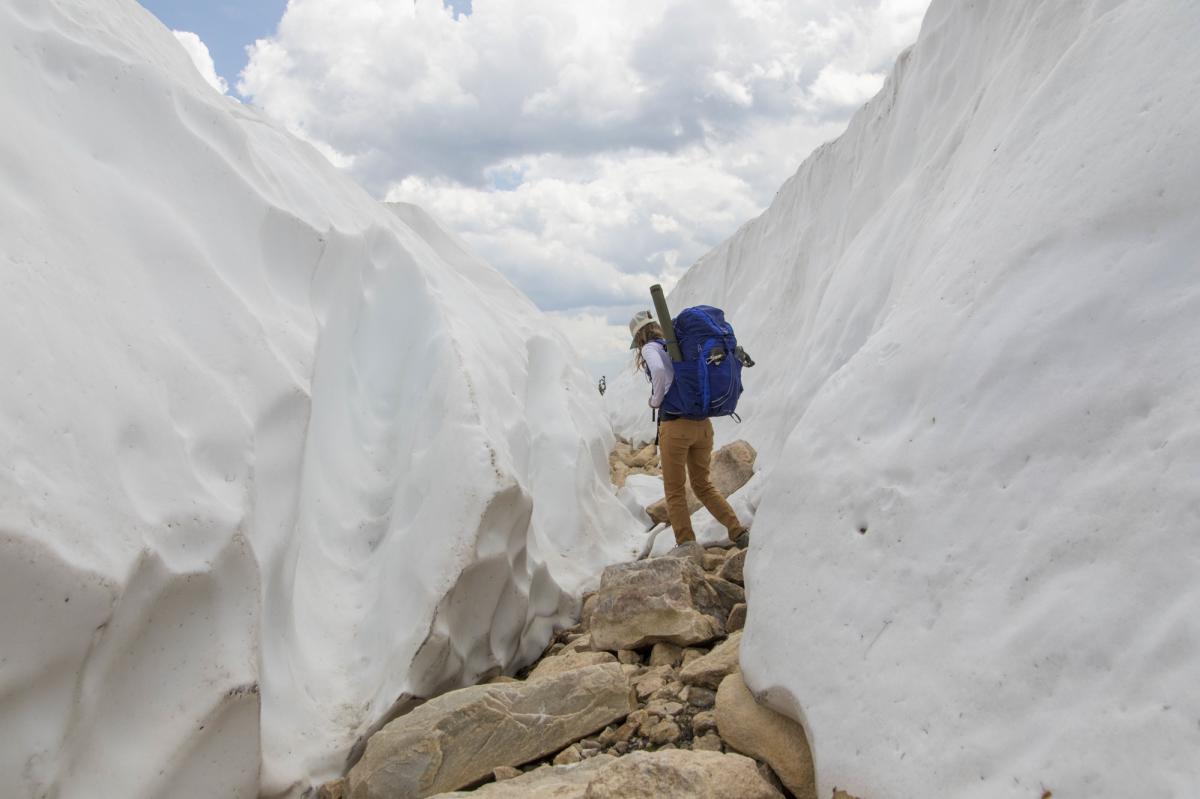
x=643, y=697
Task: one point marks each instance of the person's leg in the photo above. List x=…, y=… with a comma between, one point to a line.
x=673, y=444
x=699, y=458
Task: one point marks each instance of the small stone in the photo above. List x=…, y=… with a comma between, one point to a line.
x=665, y=654
x=652, y=681
x=665, y=731
x=648, y=722
x=643, y=457
x=663, y=708
x=625, y=732
x=629, y=657
x=737, y=618
x=572, y=754
x=732, y=567
x=580, y=643
x=669, y=691
x=709, y=742
x=691, y=653
x=713, y=562
x=608, y=737
x=621, y=748
x=709, y=670
x=502, y=773
x=699, y=697
x=704, y=722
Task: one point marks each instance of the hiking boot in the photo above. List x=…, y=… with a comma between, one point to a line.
x=741, y=538
x=689, y=550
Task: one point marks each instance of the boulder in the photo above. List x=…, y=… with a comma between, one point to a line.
x=732, y=467
x=568, y=661
x=458, y=738
x=733, y=567
x=710, y=670
x=663, y=599
x=758, y=731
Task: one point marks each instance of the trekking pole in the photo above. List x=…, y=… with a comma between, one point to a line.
x=664, y=322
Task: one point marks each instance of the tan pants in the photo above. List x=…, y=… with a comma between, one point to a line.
x=686, y=446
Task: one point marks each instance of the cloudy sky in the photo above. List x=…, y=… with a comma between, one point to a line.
x=586, y=149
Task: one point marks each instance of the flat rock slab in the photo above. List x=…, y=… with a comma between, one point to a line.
x=708, y=671
x=732, y=467
x=662, y=599
x=459, y=738
x=760, y=732
x=669, y=774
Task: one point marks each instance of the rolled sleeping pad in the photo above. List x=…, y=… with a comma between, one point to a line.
x=664, y=322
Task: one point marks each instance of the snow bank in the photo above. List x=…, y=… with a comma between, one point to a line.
x=974, y=564
x=274, y=453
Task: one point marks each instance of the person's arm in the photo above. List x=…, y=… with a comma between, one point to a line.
x=661, y=373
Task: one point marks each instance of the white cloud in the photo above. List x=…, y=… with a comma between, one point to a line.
x=585, y=149
x=198, y=51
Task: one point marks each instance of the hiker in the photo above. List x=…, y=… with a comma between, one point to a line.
x=685, y=444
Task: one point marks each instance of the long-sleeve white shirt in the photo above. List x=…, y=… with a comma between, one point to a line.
x=662, y=371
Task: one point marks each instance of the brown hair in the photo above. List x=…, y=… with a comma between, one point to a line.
x=641, y=339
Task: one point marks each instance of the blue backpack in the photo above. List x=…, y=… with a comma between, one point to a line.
x=708, y=381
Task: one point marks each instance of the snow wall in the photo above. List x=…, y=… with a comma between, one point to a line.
x=274, y=454
x=975, y=565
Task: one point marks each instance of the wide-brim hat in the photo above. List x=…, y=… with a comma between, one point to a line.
x=639, y=320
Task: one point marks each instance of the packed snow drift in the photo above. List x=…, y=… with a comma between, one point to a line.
x=976, y=318
x=274, y=453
